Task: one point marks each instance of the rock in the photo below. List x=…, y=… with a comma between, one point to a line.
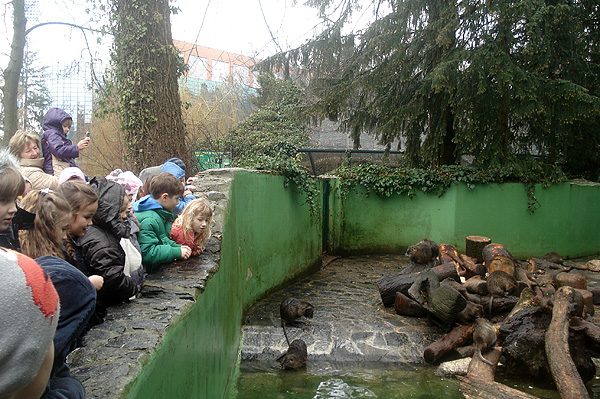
x=453, y=368
x=593, y=265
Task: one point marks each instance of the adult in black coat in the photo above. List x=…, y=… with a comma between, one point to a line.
x=102, y=250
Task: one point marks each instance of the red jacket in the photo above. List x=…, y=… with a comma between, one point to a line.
x=191, y=240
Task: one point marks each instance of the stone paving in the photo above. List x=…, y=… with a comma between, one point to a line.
x=349, y=323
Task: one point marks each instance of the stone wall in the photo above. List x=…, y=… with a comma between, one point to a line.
x=115, y=351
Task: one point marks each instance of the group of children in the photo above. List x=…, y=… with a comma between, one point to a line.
x=94, y=242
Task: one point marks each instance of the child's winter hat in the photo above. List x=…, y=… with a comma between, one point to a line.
x=72, y=172
x=130, y=182
x=29, y=311
x=173, y=169
x=177, y=162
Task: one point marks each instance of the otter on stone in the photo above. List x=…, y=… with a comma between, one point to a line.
x=499, y=284
x=292, y=309
x=553, y=257
x=295, y=357
x=484, y=338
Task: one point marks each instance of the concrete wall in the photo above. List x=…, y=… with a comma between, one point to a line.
x=269, y=238
x=566, y=222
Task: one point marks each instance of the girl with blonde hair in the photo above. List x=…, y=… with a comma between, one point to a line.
x=53, y=216
x=192, y=227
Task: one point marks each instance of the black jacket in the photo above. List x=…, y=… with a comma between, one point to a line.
x=101, y=246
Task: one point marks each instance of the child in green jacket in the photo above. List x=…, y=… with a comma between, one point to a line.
x=155, y=214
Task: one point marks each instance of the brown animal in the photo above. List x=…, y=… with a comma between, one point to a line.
x=291, y=309
x=499, y=283
x=484, y=338
x=553, y=257
x=423, y=252
x=295, y=357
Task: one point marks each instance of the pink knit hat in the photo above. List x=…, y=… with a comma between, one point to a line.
x=72, y=172
x=130, y=182
x=29, y=311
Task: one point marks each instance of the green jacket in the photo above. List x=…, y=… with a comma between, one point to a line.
x=155, y=228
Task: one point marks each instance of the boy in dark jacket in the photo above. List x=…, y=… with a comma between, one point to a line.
x=102, y=250
x=59, y=151
x=155, y=214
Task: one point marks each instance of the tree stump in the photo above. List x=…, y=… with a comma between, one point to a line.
x=474, y=247
x=565, y=374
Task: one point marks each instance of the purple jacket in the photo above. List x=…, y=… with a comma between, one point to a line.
x=55, y=142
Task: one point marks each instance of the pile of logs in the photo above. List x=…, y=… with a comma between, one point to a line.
x=538, y=309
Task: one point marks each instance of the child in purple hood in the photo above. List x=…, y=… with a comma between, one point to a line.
x=59, y=151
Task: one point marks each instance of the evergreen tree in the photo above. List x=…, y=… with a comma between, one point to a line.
x=495, y=79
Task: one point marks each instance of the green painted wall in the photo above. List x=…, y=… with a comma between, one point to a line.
x=566, y=222
x=269, y=238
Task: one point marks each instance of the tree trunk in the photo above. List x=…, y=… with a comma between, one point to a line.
x=565, y=374
x=474, y=247
x=13, y=72
x=146, y=68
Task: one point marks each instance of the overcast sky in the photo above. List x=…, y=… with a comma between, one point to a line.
x=238, y=26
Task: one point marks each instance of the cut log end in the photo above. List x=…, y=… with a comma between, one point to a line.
x=475, y=245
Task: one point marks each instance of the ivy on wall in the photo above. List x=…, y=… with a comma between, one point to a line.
x=386, y=181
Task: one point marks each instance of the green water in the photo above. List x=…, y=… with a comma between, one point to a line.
x=365, y=380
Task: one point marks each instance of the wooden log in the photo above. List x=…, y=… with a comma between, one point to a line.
x=473, y=268
x=390, y=284
x=503, y=263
x=406, y=306
x=492, y=251
x=572, y=279
x=444, y=303
x=481, y=370
x=474, y=247
x=565, y=374
x=476, y=285
x=448, y=254
x=501, y=304
x=473, y=388
x=465, y=351
x=527, y=299
x=590, y=330
x=457, y=337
